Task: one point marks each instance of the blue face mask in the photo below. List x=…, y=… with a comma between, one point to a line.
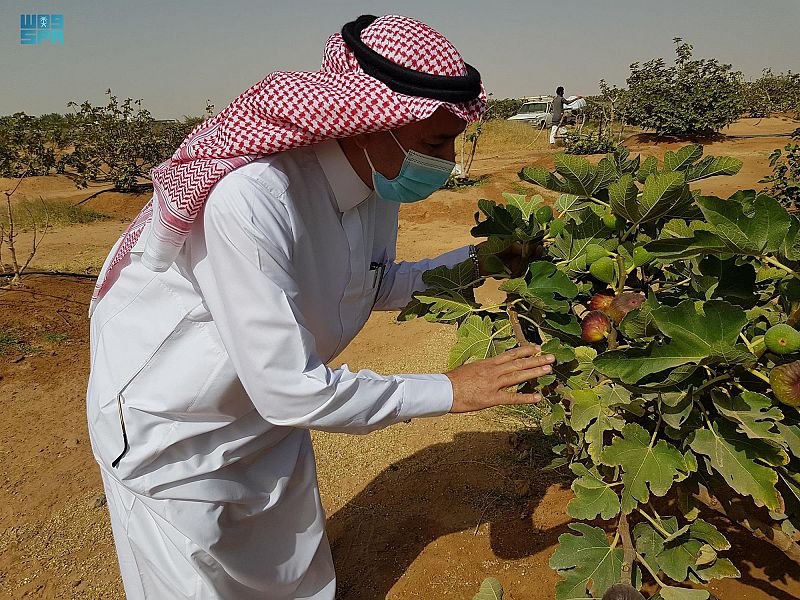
x=419, y=177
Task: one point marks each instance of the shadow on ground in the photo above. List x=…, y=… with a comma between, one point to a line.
x=443, y=489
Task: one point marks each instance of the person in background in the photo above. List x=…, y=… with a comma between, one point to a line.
x=559, y=104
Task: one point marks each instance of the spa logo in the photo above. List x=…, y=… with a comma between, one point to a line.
x=41, y=29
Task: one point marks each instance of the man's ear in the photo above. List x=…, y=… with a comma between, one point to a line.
x=361, y=140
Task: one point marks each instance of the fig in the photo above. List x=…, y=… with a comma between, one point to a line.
x=594, y=252
x=544, y=214
x=601, y=301
x=782, y=339
x=603, y=269
x=557, y=227
x=641, y=256
x=595, y=326
x=623, y=304
x=612, y=221
x=785, y=383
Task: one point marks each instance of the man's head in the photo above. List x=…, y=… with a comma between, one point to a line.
x=560, y=91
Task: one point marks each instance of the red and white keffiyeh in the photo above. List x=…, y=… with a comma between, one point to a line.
x=287, y=110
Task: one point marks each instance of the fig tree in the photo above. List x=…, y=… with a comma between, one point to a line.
x=782, y=339
x=595, y=326
x=785, y=382
x=603, y=269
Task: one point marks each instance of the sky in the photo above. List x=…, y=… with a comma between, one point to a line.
x=176, y=54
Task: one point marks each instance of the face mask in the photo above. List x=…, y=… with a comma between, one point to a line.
x=419, y=177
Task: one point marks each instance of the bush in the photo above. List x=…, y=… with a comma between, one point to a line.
x=502, y=109
x=692, y=98
x=785, y=178
x=588, y=143
x=673, y=391
x=772, y=93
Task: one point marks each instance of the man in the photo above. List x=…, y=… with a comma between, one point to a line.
x=270, y=238
x=557, y=113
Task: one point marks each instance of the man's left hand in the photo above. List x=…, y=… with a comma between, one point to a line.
x=512, y=257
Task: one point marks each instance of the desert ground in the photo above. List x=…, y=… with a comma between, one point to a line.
x=419, y=510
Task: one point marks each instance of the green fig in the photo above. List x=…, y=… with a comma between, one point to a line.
x=544, y=214
x=612, y=221
x=603, y=269
x=782, y=339
x=557, y=226
x=785, y=382
x=594, y=252
x=595, y=326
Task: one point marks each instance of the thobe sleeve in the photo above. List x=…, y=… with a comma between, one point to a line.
x=243, y=280
x=402, y=279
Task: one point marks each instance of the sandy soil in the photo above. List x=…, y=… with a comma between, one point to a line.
x=420, y=510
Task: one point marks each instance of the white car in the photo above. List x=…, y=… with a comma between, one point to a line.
x=537, y=110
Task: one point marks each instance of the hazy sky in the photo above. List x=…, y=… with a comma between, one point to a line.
x=175, y=54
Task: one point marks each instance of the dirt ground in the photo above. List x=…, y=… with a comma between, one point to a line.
x=419, y=510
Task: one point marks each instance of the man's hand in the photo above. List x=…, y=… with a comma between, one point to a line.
x=482, y=384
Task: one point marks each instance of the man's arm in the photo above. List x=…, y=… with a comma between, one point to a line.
x=244, y=279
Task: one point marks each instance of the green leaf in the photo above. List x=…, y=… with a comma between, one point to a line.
x=480, y=338
x=791, y=435
x=490, y=590
x=697, y=338
x=520, y=203
x=763, y=232
x=663, y=194
x=446, y=306
x=649, y=166
x=553, y=418
x=669, y=592
x=623, y=196
x=499, y=220
x=570, y=246
x=683, y=158
x=638, y=323
x=549, y=289
x=593, y=496
x=711, y=166
x=593, y=413
x=646, y=468
x=754, y=415
x=456, y=278
x=672, y=248
x=577, y=172
x=569, y=204
x=562, y=353
x=720, y=568
x=542, y=177
x=586, y=561
x=741, y=472
x=730, y=280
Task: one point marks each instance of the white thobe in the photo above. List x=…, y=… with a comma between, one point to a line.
x=217, y=370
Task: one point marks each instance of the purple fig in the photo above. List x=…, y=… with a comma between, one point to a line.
x=623, y=304
x=785, y=382
x=595, y=326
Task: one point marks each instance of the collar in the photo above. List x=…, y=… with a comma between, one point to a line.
x=347, y=187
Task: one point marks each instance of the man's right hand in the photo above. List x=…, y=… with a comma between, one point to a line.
x=482, y=384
